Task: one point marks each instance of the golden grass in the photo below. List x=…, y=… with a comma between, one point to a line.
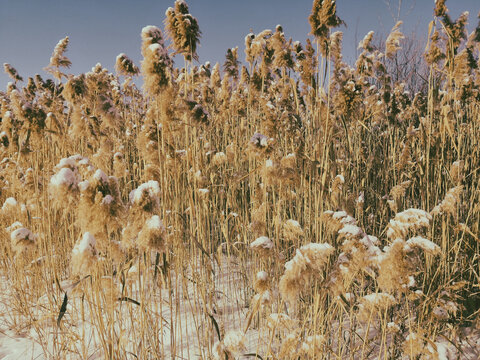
x=303, y=210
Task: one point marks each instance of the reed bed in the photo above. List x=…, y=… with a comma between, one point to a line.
x=295, y=207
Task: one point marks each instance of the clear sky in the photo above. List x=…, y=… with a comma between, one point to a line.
x=101, y=29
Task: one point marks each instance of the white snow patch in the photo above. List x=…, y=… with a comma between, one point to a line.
x=87, y=243
x=100, y=176
x=107, y=200
x=262, y=242
x=65, y=177
x=154, y=223
x=21, y=234
x=9, y=204
x=151, y=188
x=262, y=276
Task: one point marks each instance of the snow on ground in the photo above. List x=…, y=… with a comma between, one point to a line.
x=186, y=326
x=189, y=320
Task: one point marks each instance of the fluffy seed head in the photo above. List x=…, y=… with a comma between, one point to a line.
x=393, y=40
x=308, y=261
x=125, y=66
x=153, y=235
x=262, y=246
x=292, y=230
x=84, y=255
x=22, y=239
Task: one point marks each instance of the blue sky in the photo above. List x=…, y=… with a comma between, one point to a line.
x=101, y=29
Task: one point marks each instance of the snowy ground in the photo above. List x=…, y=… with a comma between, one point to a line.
x=188, y=319
x=189, y=325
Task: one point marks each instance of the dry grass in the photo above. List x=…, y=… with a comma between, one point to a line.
x=299, y=208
